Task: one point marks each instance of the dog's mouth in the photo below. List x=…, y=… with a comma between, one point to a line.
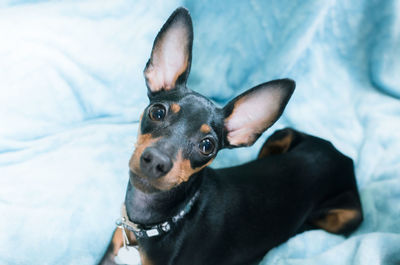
x=142, y=183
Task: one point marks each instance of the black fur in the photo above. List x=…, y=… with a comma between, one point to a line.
x=242, y=211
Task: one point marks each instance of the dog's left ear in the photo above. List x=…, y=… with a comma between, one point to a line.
x=169, y=65
x=251, y=113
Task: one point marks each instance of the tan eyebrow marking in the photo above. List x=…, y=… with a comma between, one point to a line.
x=205, y=128
x=175, y=108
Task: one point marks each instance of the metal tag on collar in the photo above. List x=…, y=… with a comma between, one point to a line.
x=152, y=232
x=128, y=256
x=120, y=225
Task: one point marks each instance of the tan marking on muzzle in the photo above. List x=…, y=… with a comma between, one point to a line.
x=180, y=172
x=175, y=108
x=143, y=141
x=205, y=128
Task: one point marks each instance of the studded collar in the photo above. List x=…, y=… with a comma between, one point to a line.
x=143, y=231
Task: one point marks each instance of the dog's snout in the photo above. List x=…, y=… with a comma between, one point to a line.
x=154, y=163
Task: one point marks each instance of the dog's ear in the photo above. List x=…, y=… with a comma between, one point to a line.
x=247, y=116
x=169, y=65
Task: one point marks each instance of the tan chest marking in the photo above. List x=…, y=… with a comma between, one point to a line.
x=144, y=258
x=118, y=240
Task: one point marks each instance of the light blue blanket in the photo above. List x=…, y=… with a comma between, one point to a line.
x=71, y=91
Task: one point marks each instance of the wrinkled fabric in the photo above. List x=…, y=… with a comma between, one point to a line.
x=72, y=91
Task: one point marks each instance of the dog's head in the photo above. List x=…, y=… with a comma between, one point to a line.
x=182, y=131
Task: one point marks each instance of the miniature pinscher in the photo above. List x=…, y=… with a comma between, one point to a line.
x=178, y=211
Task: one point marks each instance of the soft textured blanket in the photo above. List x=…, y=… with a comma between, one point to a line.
x=71, y=92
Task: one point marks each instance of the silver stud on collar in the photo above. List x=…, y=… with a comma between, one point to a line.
x=165, y=226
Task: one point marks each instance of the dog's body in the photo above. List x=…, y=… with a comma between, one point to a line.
x=186, y=213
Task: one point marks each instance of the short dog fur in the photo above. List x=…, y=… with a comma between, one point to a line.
x=232, y=215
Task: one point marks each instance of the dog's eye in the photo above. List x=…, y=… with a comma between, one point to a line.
x=206, y=146
x=157, y=112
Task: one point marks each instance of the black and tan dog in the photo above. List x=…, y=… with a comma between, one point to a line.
x=180, y=212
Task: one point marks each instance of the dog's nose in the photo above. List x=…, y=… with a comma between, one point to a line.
x=154, y=163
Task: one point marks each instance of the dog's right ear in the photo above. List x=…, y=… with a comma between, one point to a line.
x=169, y=65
